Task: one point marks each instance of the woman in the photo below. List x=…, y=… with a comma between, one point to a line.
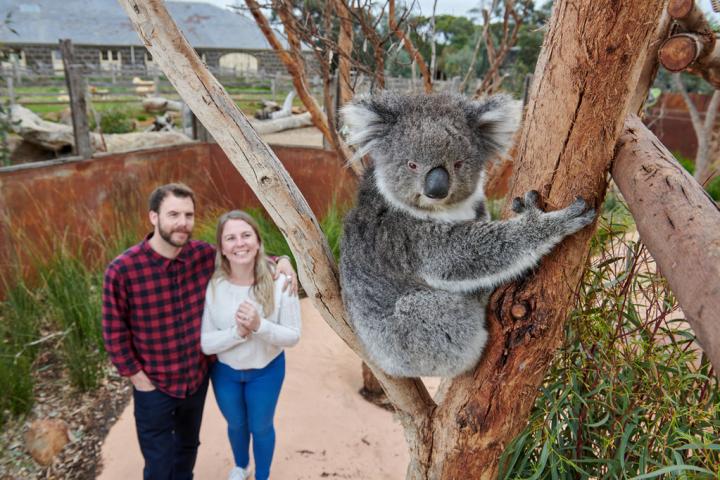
x=248, y=320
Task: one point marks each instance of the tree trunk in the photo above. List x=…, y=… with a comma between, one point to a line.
x=674, y=214
x=592, y=59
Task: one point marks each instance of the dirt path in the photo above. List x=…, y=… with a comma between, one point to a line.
x=324, y=428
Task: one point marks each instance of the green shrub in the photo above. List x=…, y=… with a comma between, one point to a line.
x=115, y=120
x=332, y=227
x=713, y=188
x=630, y=395
x=273, y=240
x=686, y=162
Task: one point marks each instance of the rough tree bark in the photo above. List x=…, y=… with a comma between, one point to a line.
x=674, y=214
x=345, y=45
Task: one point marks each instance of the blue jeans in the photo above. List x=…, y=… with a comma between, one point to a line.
x=247, y=400
x=168, y=430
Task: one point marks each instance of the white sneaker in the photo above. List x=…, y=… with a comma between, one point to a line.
x=238, y=473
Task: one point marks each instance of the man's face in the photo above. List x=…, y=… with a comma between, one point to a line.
x=175, y=220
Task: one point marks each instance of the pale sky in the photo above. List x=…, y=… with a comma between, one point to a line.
x=451, y=7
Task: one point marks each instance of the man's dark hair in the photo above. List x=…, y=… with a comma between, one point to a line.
x=177, y=189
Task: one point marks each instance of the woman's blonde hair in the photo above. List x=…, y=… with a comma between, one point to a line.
x=263, y=289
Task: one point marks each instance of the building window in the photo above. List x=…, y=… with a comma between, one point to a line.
x=110, y=59
x=57, y=61
x=14, y=57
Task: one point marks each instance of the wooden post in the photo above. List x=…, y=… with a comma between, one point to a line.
x=11, y=90
x=78, y=103
x=199, y=132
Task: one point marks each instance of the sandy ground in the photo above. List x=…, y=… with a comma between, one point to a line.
x=324, y=428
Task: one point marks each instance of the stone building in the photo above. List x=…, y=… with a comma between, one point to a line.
x=104, y=38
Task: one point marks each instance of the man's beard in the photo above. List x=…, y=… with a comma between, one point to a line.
x=167, y=236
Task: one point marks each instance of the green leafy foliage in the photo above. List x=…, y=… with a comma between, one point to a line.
x=713, y=188
x=630, y=395
x=115, y=120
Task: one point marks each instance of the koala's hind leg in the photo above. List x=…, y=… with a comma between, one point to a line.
x=438, y=333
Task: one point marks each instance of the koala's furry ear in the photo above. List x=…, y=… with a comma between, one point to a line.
x=368, y=119
x=495, y=119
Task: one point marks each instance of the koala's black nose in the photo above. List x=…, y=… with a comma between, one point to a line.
x=437, y=183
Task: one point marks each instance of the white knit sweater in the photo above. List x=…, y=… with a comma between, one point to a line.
x=219, y=332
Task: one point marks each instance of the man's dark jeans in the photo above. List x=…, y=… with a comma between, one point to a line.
x=168, y=429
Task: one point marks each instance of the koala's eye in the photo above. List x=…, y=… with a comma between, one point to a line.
x=412, y=165
x=457, y=165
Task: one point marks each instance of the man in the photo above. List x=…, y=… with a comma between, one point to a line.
x=153, y=298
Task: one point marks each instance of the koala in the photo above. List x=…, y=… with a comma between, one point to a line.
x=419, y=254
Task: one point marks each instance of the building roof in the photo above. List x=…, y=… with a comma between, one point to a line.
x=104, y=22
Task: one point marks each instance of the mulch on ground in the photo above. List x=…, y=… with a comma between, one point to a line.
x=88, y=415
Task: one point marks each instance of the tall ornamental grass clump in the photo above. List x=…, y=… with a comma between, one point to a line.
x=631, y=394
x=73, y=294
x=19, y=330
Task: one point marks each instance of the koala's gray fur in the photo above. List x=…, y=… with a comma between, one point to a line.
x=416, y=272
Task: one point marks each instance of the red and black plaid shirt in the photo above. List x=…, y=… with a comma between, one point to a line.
x=152, y=314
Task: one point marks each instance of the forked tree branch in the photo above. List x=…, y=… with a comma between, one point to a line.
x=270, y=182
x=408, y=45
x=295, y=66
x=492, y=79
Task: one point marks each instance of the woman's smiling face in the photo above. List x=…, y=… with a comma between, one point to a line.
x=240, y=243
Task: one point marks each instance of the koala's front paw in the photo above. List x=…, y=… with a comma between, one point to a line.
x=529, y=204
x=574, y=217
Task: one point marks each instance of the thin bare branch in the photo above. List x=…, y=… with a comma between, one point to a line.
x=408, y=45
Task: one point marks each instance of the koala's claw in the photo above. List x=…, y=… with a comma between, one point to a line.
x=577, y=207
x=518, y=205
x=581, y=220
x=531, y=198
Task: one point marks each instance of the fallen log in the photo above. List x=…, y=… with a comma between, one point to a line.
x=161, y=104
x=263, y=127
x=58, y=137
x=678, y=222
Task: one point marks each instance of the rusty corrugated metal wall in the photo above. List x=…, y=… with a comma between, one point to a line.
x=84, y=203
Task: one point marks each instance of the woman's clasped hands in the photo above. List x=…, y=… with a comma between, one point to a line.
x=247, y=319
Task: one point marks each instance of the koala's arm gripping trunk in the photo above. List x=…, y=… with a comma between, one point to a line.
x=473, y=256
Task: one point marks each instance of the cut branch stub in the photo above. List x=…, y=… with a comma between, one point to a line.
x=680, y=51
x=689, y=15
